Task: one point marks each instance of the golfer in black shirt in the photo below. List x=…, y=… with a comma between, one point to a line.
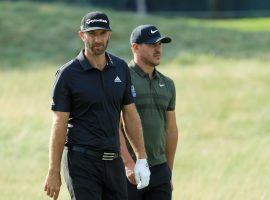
x=88, y=96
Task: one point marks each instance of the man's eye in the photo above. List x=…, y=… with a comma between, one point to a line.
x=90, y=33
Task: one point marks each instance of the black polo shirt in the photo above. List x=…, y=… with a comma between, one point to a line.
x=94, y=100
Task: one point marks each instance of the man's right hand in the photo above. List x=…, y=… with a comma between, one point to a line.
x=53, y=184
x=129, y=166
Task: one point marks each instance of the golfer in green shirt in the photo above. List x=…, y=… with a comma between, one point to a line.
x=154, y=95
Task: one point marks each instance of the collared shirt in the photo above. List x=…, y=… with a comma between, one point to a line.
x=94, y=100
x=153, y=98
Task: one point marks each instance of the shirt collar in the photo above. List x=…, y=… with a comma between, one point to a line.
x=87, y=66
x=139, y=71
x=109, y=60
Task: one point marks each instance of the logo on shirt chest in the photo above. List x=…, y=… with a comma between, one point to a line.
x=117, y=80
x=161, y=84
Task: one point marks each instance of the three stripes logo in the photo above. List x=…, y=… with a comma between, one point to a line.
x=117, y=80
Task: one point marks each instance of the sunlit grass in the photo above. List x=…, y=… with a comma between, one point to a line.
x=223, y=118
x=222, y=115
x=246, y=24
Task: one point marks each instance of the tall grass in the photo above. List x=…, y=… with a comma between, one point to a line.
x=221, y=73
x=48, y=33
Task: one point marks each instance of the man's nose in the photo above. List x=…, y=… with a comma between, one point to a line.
x=157, y=47
x=97, y=38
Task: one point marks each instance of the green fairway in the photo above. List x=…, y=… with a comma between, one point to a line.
x=221, y=71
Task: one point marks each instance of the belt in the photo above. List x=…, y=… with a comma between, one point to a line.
x=97, y=154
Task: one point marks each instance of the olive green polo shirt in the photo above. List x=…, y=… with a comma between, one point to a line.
x=153, y=97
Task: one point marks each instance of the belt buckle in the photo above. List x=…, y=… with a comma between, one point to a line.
x=108, y=156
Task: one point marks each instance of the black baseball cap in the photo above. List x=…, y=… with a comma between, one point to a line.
x=94, y=21
x=147, y=34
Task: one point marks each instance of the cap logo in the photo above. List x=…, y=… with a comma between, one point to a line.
x=153, y=31
x=88, y=21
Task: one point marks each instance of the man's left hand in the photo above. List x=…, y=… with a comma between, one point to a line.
x=142, y=173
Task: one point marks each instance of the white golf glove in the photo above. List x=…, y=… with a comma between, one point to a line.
x=141, y=173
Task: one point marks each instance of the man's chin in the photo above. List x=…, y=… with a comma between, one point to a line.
x=98, y=52
x=157, y=63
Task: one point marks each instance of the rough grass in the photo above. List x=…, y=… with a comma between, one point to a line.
x=48, y=33
x=221, y=73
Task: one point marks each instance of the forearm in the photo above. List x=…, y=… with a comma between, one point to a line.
x=135, y=137
x=57, y=141
x=133, y=129
x=124, y=151
x=171, y=145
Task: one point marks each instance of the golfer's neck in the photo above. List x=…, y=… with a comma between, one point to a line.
x=146, y=68
x=97, y=61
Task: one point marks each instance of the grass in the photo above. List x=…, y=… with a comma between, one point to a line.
x=224, y=122
x=222, y=80
x=47, y=33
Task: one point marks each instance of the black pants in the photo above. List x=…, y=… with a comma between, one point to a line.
x=90, y=178
x=159, y=187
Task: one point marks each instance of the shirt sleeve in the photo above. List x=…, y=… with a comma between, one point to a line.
x=171, y=105
x=128, y=97
x=61, y=97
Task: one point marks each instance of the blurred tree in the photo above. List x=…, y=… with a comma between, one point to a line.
x=214, y=7
x=141, y=7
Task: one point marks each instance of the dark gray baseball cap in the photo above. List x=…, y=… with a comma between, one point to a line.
x=94, y=21
x=147, y=34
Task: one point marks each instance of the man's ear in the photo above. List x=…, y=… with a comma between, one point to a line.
x=134, y=47
x=81, y=35
x=110, y=33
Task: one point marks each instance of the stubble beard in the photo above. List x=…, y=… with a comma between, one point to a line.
x=149, y=62
x=97, y=52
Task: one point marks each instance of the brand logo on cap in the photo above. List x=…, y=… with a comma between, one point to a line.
x=153, y=31
x=88, y=21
